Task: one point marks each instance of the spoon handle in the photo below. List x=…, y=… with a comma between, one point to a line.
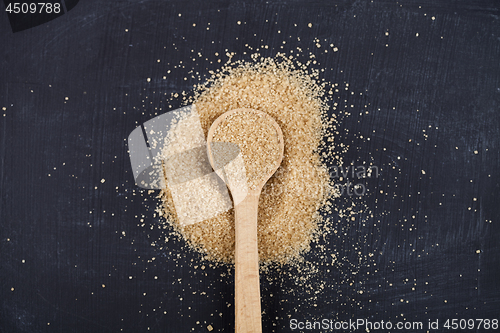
x=247, y=285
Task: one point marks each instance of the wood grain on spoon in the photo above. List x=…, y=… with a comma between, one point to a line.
x=260, y=140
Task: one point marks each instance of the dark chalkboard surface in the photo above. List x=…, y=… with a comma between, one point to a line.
x=75, y=231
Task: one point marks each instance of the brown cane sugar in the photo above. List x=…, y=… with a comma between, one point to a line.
x=291, y=200
x=259, y=147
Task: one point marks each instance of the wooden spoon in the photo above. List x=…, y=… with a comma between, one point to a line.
x=247, y=284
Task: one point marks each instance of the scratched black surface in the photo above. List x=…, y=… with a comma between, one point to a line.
x=73, y=90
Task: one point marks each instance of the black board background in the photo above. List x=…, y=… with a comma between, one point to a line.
x=75, y=87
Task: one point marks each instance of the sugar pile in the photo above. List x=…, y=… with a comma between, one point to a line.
x=291, y=201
